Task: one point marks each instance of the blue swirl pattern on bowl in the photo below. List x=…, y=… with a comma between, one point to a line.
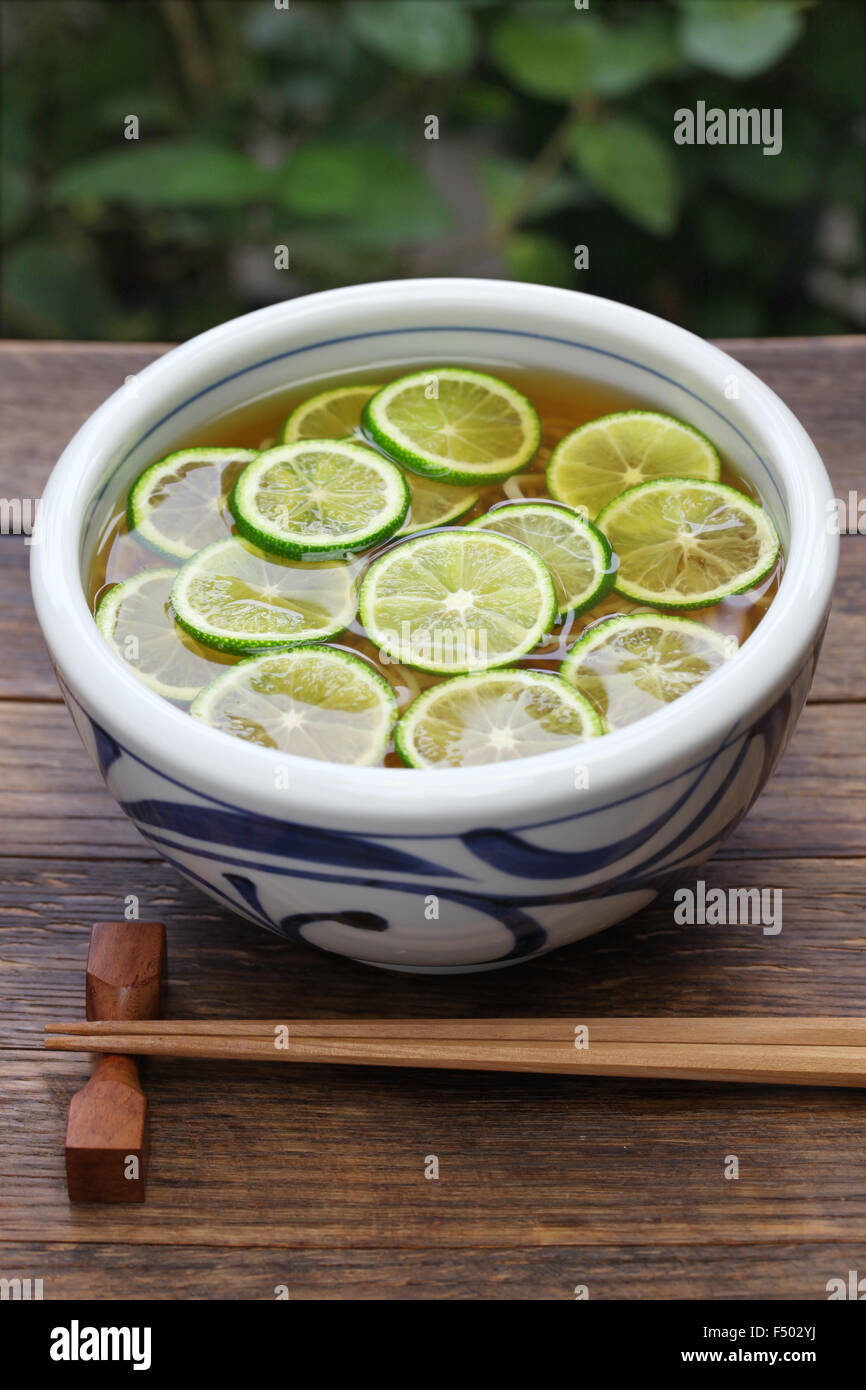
x=350, y=891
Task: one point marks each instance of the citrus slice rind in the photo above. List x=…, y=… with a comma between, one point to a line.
x=330, y=414
x=180, y=503
x=454, y=424
x=313, y=702
x=319, y=498
x=457, y=601
x=630, y=666
x=493, y=717
x=577, y=554
x=336, y=415
x=135, y=618
x=684, y=544
x=604, y=457
x=235, y=598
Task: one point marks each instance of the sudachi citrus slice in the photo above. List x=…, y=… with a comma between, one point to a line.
x=493, y=717
x=314, y=701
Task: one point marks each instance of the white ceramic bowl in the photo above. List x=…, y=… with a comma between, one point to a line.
x=453, y=869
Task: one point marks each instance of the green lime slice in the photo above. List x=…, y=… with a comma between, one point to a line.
x=329, y=415
x=688, y=544
x=314, y=702
x=233, y=597
x=319, y=497
x=576, y=553
x=462, y=600
x=493, y=717
x=180, y=504
x=604, y=457
x=435, y=504
x=135, y=618
x=455, y=425
x=632, y=665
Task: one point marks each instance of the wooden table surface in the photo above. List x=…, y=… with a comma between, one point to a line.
x=264, y=1176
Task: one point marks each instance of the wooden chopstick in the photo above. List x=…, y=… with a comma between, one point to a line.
x=802, y=1032
x=789, y=1063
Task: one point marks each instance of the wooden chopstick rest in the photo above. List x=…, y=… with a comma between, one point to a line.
x=106, y=1130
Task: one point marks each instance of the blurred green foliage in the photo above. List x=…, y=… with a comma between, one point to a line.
x=307, y=126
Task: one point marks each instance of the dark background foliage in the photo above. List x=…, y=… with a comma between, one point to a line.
x=304, y=127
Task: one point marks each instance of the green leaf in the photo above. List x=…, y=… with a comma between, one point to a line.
x=625, y=58
x=538, y=259
x=384, y=197
x=51, y=291
x=632, y=168
x=550, y=59
x=502, y=179
x=326, y=179
x=738, y=38
x=175, y=173
x=559, y=59
x=426, y=36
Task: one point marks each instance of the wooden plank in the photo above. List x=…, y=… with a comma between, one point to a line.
x=25, y=672
x=47, y=391
x=256, y=1156
x=333, y=1157
x=823, y=381
x=841, y=673
x=54, y=802
x=103, y=1271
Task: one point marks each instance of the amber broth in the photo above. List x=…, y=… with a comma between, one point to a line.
x=562, y=403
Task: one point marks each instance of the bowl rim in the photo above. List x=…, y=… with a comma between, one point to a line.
x=231, y=771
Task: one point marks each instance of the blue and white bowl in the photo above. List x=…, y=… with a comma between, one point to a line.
x=457, y=869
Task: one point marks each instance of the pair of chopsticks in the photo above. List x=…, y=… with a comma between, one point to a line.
x=778, y=1051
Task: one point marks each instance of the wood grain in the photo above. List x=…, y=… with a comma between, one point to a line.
x=262, y=1177
x=257, y=1157
x=108, y=1116
x=525, y=1273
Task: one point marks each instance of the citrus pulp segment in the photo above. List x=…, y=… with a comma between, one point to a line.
x=576, y=553
x=632, y=665
x=330, y=414
x=314, y=701
x=180, y=504
x=683, y=543
x=457, y=425
x=461, y=600
x=319, y=497
x=493, y=717
x=135, y=618
x=233, y=597
x=602, y=458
